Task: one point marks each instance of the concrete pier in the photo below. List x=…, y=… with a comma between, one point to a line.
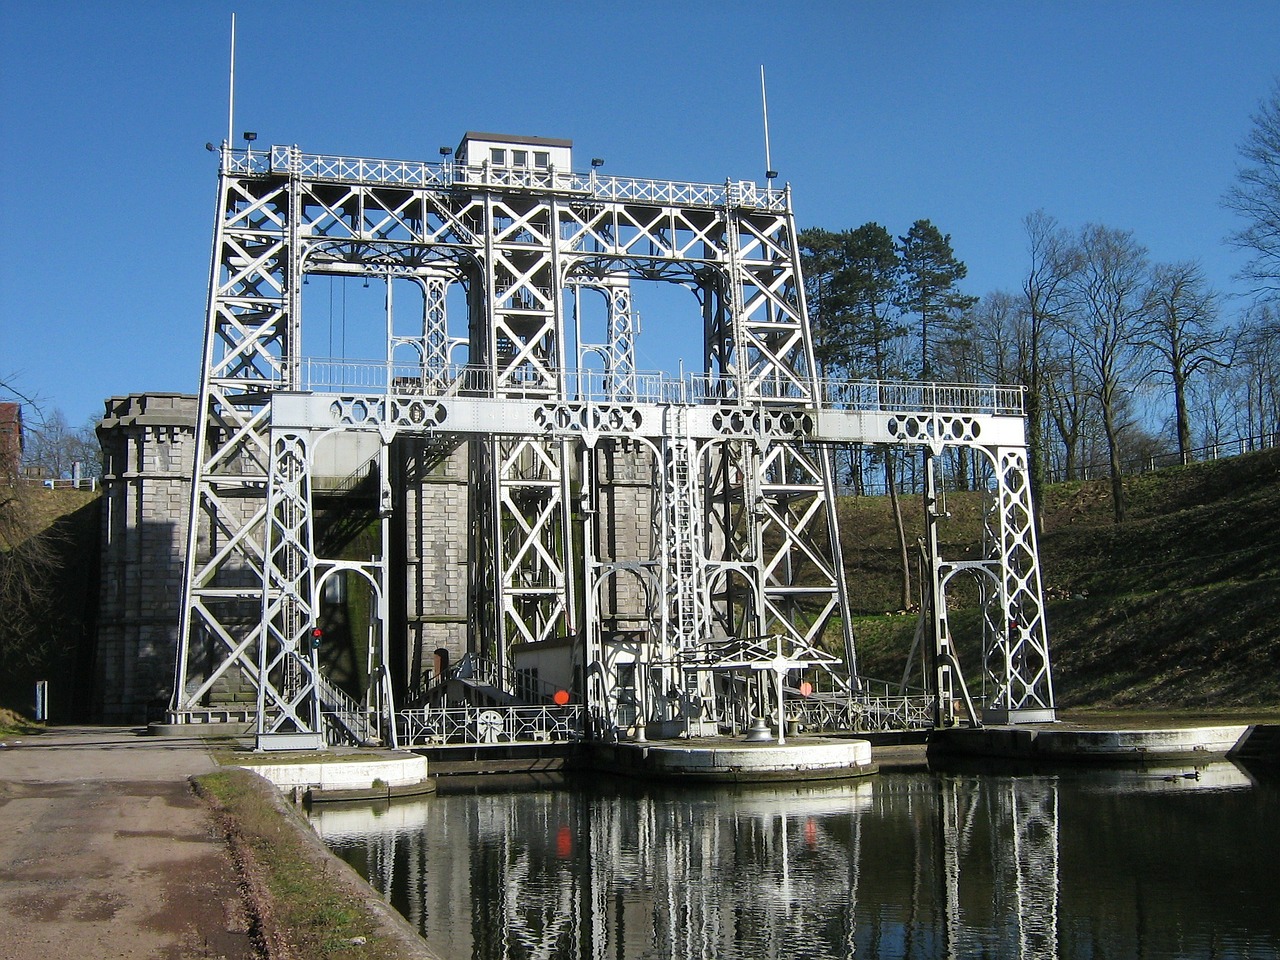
x=324, y=777
x=735, y=761
x=1066, y=743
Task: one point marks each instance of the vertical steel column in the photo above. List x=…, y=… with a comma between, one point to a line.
x=288, y=666
x=251, y=349
x=1017, y=657
x=528, y=531
x=788, y=502
x=621, y=383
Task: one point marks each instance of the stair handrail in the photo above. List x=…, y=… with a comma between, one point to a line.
x=353, y=716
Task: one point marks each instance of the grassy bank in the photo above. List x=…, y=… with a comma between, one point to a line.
x=1176, y=608
x=304, y=904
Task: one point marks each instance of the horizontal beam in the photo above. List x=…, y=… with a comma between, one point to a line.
x=546, y=417
x=321, y=375
x=365, y=171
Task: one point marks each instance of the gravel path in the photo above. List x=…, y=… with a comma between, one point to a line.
x=106, y=852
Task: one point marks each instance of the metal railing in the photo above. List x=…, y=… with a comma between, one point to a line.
x=478, y=726
x=890, y=396
x=863, y=714
x=484, y=671
x=280, y=160
x=62, y=483
x=652, y=387
x=877, y=708
x=1219, y=450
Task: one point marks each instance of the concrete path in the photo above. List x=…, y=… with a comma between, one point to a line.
x=106, y=852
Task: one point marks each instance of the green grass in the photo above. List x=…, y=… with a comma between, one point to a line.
x=1175, y=607
x=241, y=756
x=16, y=725
x=316, y=916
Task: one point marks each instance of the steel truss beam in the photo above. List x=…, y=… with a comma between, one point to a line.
x=745, y=540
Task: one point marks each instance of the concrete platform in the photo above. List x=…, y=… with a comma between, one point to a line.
x=1059, y=743
x=227, y=725
x=361, y=777
x=719, y=760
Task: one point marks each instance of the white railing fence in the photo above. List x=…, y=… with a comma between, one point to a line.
x=325, y=375
x=284, y=160
x=472, y=726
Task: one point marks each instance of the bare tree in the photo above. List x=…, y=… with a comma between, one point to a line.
x=1182, y=332
x=999, y=337
x=1256, y=197
x=1256, y=360
x=1045, y=291
x=1067, y=404
x=1109, y=293
x=53, y=448
x=1214, y=406
x=28, y=561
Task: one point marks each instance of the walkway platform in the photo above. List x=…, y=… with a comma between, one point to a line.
x=1066, y=743
x=107, y=851
x=722, y=760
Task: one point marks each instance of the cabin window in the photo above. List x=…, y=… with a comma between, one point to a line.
x=498, y=156
x=541, y=159
x=519, y=158
x=527, y=684
x=628, y=702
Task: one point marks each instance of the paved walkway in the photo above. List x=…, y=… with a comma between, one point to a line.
x=105, y=851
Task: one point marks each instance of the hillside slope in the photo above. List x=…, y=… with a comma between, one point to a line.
x=1179, y=606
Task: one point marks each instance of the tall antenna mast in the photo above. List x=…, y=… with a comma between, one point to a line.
x=770, y=174
x=231, y=92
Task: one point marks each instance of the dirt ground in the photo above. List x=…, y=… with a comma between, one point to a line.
x=106, y=852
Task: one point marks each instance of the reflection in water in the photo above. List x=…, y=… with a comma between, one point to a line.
x=1088, y=863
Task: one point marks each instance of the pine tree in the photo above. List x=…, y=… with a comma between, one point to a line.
x=852, y=281
x=853, y=278
x=930, y=272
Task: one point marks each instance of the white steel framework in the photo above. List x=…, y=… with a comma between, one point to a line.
x=743, y=541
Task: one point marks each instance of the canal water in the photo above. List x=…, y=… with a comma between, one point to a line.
x=1178, y=861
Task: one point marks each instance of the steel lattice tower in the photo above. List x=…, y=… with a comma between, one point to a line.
x=741, y=541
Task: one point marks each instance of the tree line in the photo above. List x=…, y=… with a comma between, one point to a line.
x=1098, y=333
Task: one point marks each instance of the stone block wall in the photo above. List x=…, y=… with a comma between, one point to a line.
x=626, y=531
x=148, y=446
x=437, y=521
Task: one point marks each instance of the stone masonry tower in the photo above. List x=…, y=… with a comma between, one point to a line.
x=147, y=446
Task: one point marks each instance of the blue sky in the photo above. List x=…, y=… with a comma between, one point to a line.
x=971, y=115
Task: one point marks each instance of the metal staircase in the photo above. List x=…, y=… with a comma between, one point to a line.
x=683, y=536
x=349, y=721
